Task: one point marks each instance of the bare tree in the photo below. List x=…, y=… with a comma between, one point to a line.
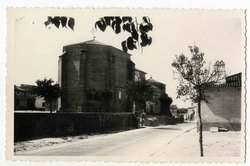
x=196, y=79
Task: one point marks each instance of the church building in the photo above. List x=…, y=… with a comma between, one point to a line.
x=93, y=65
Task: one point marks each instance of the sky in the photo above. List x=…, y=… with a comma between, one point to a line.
x=35, y=49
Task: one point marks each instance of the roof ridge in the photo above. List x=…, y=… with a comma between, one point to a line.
x=153, y=80
x=93, y=41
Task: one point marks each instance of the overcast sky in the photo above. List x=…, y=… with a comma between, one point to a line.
x=218, y=33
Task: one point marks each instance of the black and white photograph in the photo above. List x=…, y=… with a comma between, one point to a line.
x=146, y=85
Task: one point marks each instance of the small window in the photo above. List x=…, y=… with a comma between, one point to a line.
x=120, y=95
x=43, y=104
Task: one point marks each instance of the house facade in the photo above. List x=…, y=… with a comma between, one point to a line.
x=25, y=99
x=93, y=65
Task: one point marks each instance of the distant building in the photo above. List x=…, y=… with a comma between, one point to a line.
x=191, y=109
x=161, y=101
x=182, y=111
x=234, y=80
x=92, y=64
x=173, y=110
x=157, y=84
x=225, y=108
x=220, y=65
x=26, y=100
x=139, y=75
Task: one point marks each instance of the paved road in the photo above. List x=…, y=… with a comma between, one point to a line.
x=142, y=142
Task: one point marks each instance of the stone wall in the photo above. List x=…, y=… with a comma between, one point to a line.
x=162, y=120
x=40, y=125
x=224, y=110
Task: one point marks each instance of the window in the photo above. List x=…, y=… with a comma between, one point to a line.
x=43, y=104
x=120, y=95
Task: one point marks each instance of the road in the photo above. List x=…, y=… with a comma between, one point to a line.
x=139, y=142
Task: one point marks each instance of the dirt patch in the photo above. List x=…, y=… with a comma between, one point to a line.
x=218, y=144
x=39, y=143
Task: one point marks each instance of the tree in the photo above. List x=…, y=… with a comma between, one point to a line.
x=166, y=101
x=195, y=80
x=139, y=92
x=138, y=31
x=46, y=89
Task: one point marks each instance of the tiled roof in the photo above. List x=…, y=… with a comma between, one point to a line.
x=24, y=87
x=173, y=107
x=18, y=88
x=156, y=89
x=140, y=70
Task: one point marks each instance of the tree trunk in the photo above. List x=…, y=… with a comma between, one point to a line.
x=200, y=129
x=143, y=105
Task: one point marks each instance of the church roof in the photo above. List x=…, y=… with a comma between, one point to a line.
x=151, y=80
x=173, y=107
x=94, y=42
x=156, y=89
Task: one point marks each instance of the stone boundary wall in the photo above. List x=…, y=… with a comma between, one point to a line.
x=224, y=110
x=40, y=125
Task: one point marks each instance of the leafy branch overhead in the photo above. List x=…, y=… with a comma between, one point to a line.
x=64, y=21
x=138, y=32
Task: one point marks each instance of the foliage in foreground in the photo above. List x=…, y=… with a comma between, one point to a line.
x=138, y=31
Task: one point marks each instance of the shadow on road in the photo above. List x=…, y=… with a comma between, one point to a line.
x=165, y=128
